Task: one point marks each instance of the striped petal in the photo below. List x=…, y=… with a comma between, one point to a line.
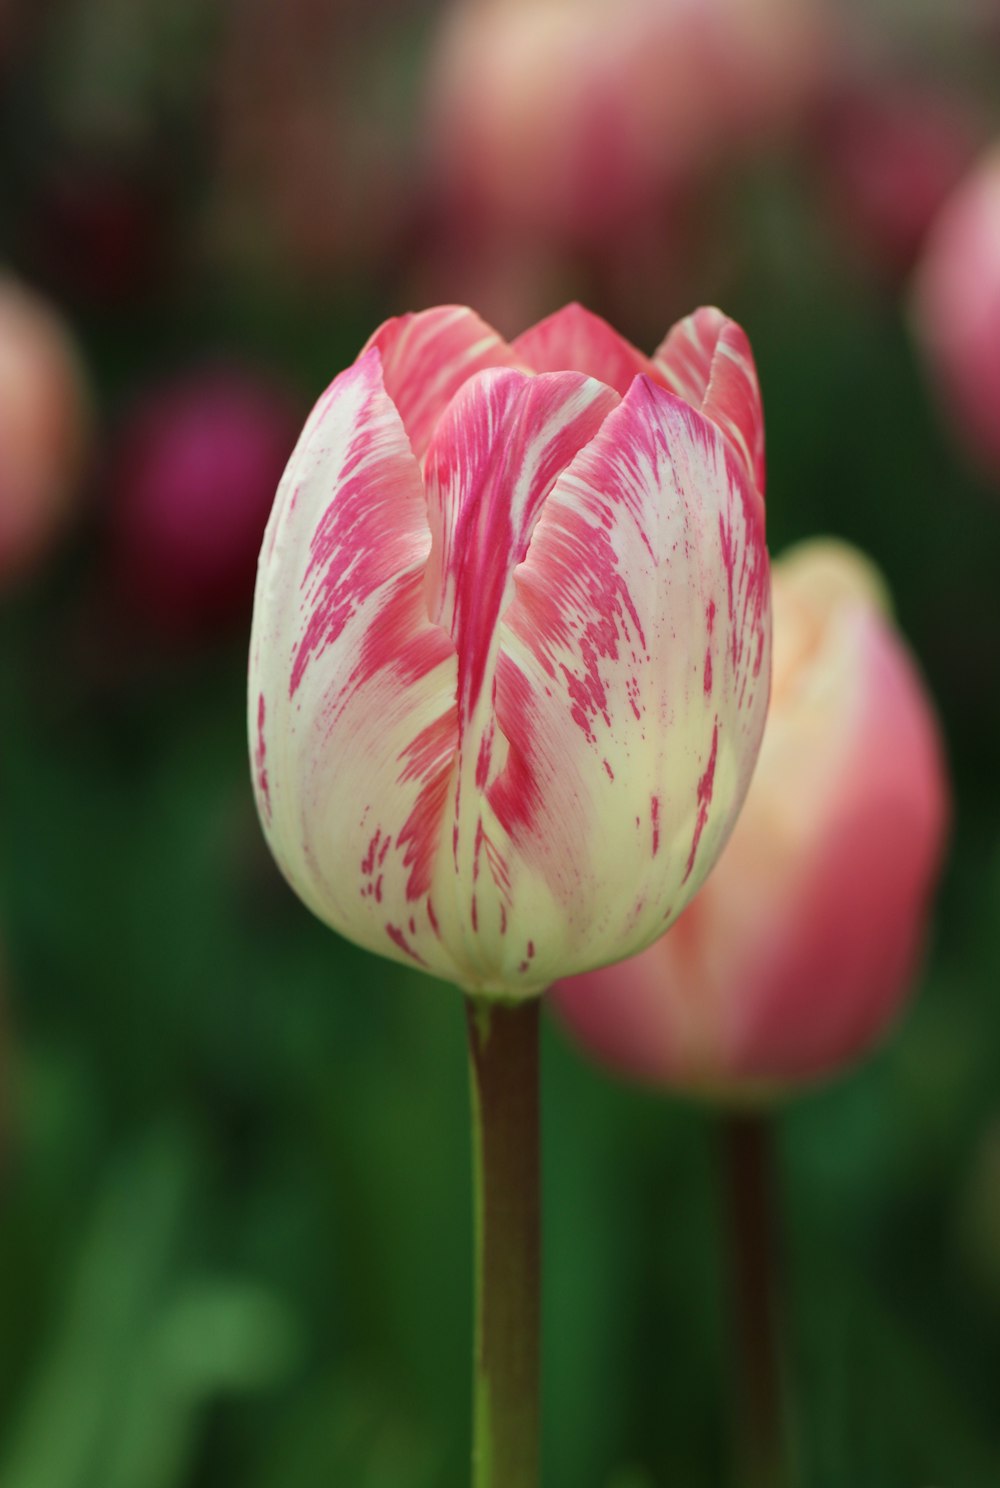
x=706, y=359
x=574, y=339
x=427, y=356
x=492, y=463
x=352, y=686
x=632, y=684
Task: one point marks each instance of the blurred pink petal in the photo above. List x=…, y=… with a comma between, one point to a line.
x=956, y=305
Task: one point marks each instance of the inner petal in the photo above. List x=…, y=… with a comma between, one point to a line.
x=574, y=339
x=494, y=457
x=492, y=462
x=428, y=355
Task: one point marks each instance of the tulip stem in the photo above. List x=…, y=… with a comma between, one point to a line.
x=761, y=1441
x=503, y=1065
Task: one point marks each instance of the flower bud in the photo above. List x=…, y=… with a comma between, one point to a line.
x=192, y=483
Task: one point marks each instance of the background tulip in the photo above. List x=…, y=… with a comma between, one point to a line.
x=797, y=954
x=957, y=309
x=192, y=480
x=44, y=427
x=890, y=152
x=579, y=117
x=510, y=652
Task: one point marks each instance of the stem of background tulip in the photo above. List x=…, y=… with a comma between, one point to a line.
x=761, y=1442
x=503, y=1064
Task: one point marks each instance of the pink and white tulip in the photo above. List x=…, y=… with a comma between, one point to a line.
x=957, y=309
x=511, y=643
x=45, y=428
x=798, y=952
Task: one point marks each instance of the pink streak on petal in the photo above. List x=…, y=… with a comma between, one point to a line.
x=493, y=460
x=705, y=787
x=575, y=340
x=399, y=939
x=707, y=360
x=359, y=543
x=260, y=762
x=429, y=759
x=427, y=356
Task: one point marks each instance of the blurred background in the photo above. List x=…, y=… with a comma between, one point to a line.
x=235, y=1206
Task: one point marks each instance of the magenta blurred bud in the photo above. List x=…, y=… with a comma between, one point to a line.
x=193, y=479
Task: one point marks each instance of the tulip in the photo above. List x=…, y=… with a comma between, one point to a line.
x=44, y=428
x=193, y=477
x=510, y=649
x=798, y=952
x=957, y=309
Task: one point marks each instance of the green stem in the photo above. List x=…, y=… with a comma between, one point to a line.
x=503, y=1065
x=761, y=1441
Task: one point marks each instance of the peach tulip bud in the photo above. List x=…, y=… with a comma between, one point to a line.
x=510, y=652
x=957, y=308
x=796, y=955
x=44, y=428
x=194, y=474
x=576, y=118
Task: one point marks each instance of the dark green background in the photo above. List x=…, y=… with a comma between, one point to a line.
x=235, y=1229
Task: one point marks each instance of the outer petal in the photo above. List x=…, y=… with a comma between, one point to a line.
x=631, y=686
x=352, y=685
x=428, y=355
x=707, y=360
x=491, y=466
x=576, y=339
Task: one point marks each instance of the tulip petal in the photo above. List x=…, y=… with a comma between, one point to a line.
x=706, y=359
x=494, y=458
x=428, y=355
x=574, y=339
x=352, y=685
x=626, y=765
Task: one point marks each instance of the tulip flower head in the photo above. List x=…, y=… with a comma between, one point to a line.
x=511, y=642
x=798, y=952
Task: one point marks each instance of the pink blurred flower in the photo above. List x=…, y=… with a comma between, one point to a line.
x=890, y=152
x=957, y=309
x=798, y=952
x=193, y=477
x=577, y=118
x=44, y=427
x=510, y=650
